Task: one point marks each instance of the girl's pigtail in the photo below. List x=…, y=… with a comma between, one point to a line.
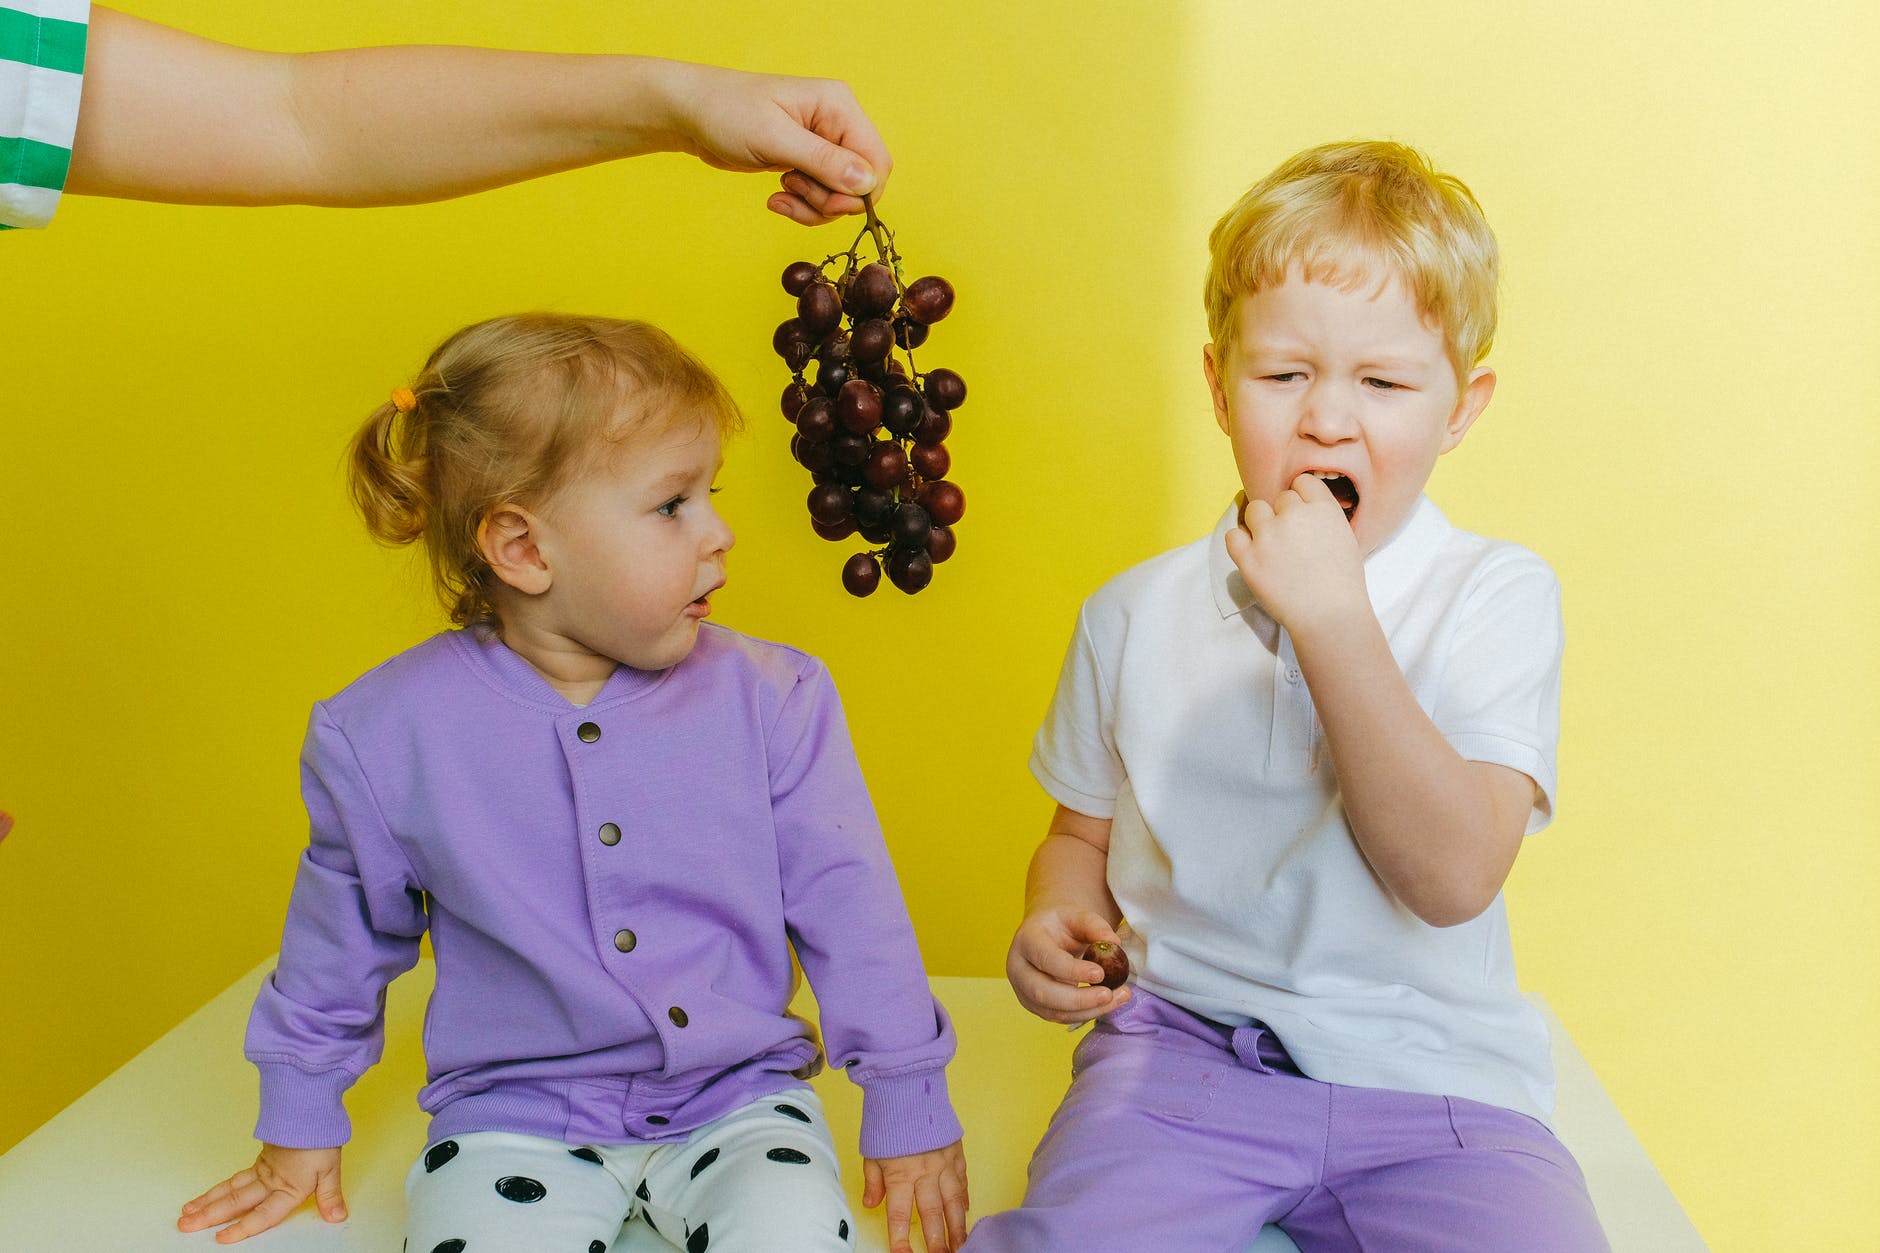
x=389, y=473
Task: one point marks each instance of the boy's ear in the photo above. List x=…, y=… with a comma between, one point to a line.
x=510, y=540
x=1211, y=367
x=1476, y=393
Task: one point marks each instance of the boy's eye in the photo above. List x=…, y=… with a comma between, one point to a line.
x=1285, y=376
x=1381, y=385
x=671, y=507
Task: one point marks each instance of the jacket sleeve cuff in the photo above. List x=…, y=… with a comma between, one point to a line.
x=907, y=1113
x=302, y=1110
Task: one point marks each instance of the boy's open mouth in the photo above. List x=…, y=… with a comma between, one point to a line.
x=1343, y=490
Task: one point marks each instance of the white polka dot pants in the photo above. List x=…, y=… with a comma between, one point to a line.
x=762, y=1179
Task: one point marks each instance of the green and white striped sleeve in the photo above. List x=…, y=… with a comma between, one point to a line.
x=42, y=62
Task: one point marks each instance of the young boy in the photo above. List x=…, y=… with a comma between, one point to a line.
x=1299, y=756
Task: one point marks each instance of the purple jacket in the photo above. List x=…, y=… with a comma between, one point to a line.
x=613, y=893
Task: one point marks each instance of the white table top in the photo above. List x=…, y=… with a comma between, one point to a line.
x=110, y=1173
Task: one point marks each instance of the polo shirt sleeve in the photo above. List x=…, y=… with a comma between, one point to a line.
x=1074, y=755
x=42, y=63
x=1500, y=702
x=353, y=925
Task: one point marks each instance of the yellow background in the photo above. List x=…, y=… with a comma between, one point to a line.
x=1686, y=196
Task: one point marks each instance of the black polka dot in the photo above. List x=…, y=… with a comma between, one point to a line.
x=791, y=1111
x=642, y=1193
x=449, y=1246
x=698, y=1240
x=791, y=1156
x=599, y=1246
x=521, y=1189
x=586, y=1155
x=440, y=1153
x=706, y=1159
x=842, y=1229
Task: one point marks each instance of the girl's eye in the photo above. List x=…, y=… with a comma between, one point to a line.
x=671, y=507
x=1285, y=376
x=1382, y=385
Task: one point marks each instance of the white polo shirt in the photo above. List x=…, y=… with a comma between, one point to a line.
x=1181, y=715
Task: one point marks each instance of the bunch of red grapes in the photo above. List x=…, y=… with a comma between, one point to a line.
x=870, y=428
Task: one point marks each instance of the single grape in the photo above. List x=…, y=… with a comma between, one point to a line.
x=858, y=406
x=901, y=410
x=861, y=574
x=877, y=534
x=794, y=343
x=930, y=461
x=835, y=347
x=871, y=292
x=928, y=299
x=941, y=543
x=829, y=503
x=911, y=525
x=830, y=376
x=793, y=397
x=834, y=532
x=819, y=309
x=944, y=500
x=910, y=571
x=934, y=426
x=872, y=505
x=799, y=275
x=848, y=448
x=816, y=458
x=908, y=333
x=886, y=465
x=816, y=420
x=871, y=340
x=945, y=389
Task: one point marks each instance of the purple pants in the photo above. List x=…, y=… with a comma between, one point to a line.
x=1179, y=1134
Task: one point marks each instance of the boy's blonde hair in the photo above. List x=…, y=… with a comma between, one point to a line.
x=509, y=411
x=1353, y=213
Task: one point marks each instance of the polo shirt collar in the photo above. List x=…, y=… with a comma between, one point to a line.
x=1392, y=568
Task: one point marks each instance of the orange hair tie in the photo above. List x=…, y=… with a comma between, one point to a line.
x=403, y=400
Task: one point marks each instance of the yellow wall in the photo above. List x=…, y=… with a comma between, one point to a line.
x=1686, y=196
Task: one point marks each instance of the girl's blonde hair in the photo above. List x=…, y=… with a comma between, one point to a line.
x=508, y=411
x=1351, y=213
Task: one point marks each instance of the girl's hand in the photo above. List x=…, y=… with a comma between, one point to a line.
x=811, y=129
x=261, y=1196
x=1048, y=971
x=1300, y=557
x=934, y=1183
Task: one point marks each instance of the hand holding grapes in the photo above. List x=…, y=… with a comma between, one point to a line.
x=1050, y=972
x=870, y=427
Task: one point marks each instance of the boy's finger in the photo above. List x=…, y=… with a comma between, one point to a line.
x=331, y=1202
x=900, y=1218
x=872, y=1188
x=933, y=1214
x=274, y=1207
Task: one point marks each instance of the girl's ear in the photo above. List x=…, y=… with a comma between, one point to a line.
x=510, y=540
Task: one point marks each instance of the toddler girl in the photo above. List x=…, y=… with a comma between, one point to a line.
x=616, y=821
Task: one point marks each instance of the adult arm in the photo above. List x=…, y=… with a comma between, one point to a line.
x=167, y=115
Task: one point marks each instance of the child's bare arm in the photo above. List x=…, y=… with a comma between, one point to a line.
x=258, y=1198
x=1068, y=906
x=1440, y=831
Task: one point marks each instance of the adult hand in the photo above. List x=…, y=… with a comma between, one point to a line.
x=811, y=129
x=1049, y=973
x=934, y=1183
x=258, y=1198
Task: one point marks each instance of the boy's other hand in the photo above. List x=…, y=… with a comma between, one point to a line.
x=258, y=1198
x=1300, y=558
x=1049, y=973
x=934, y=1183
